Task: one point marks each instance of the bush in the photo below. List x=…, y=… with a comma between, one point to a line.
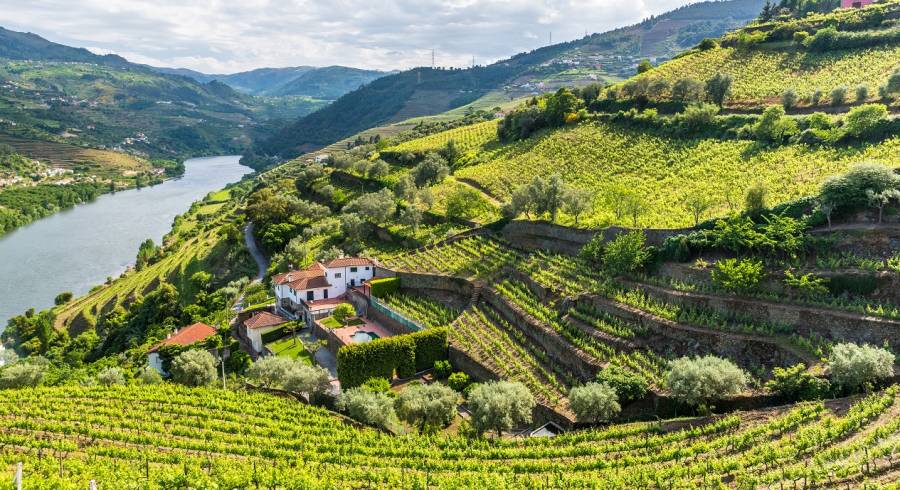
x=593, y=249
x=111, y=376
x=629, y=386
x=384, y=287
x=594, y=402
x=789, y=98
x=62, y=298
x=431, y=346
x=378, y=385
x=742, y=275
x=150, y=376
x=343, y=312
x=862, y=120
x=23, y=374
x=459, y=381
x=194, y=368
x=796, y=383
x=774, y=127
x=499, y=406
x=699, y=380
x=442, y=369
x=838, y=96
x=853, y=366
x=379, y=358
x=375, y=409
x=428, y=407
x=755, y=200
x=862, y=93
x=807, y=286
x=626, y=253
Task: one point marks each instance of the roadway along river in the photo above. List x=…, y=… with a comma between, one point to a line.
x=79, y=248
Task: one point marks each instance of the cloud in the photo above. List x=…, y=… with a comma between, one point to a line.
x=222, y=36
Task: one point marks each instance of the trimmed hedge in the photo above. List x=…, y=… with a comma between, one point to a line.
x=385, y=286
x=381, y=358
x=274, y=335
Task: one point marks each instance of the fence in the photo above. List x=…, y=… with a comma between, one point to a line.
x=390, y=313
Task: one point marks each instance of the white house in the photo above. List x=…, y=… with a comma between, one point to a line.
x=260, y=324
x=316, y=291
x=184, y=337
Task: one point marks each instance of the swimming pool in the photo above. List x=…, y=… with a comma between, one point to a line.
x=362, y=337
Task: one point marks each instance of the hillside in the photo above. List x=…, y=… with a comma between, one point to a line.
x=596, y=58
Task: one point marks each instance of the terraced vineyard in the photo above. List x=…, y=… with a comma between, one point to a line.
x=165, y=436
x=477, y=256
x=100, y=162
x=467, y=138
x=424, y=311
x=603, y=158
x=762, y=75
x=483, y=334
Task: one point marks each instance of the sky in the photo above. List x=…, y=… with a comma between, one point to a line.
x=219, y=36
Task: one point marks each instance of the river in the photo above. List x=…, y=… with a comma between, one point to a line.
x=79, y=248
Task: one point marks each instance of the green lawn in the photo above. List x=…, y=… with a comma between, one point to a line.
x=289, y=347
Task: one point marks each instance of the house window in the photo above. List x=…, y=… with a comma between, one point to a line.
x=337, y=275
x=367, y=267
x=353, y=269
x=325, y=293
x=310, y=295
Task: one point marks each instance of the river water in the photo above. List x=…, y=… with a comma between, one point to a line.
x=79, y=248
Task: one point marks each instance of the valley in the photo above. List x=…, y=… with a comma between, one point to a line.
x=567, y=269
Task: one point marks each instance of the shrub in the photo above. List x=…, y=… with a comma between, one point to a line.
x=375, y=409
x=594, y=402
x=111, y=376
x=626, y=253
x=862, y=93
x=62, y=298
x=459, y=381
x=789, y=98
x=774, y=127
x=807, y=286
x=755, y=199
x=442, y=369
x=742, y=275
x=629, y=386
x=862, y=120
x=697, y=116
x=698, y=380
x=379, y=358
x=384, y=287
x=853, y=366
x=430, y=346
x=428, y=407
x=499, y=406
x=150, y=376
x=343, y=312
x=593, y=249
x=838, y=96
x=23, y=374
x=796, y=383
x=194, y=368
x=816, y=97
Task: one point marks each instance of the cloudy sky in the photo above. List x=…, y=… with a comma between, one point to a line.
x=219, y=36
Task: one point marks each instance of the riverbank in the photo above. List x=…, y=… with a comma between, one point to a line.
x=80, y=248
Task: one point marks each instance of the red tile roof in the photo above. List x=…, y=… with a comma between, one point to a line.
x=264, y=319
x=187, y=336
x=348, y=262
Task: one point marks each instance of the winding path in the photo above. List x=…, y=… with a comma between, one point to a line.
x=262, y=263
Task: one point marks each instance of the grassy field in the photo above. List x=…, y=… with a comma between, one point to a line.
x=152, y=436
x=664, y=171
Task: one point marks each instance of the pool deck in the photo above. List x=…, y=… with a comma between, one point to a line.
x=345, y=334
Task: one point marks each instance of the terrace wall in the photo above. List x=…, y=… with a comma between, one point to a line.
x=567, y=240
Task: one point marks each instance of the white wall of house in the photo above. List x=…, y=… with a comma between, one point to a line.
x=255, y=336
x=155, y=362
x=342, y=278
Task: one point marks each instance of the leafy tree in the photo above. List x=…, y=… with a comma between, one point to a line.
x=428, y=407
x=147, y=252
x=577, y=202
x=861, y=120
x=411, y=216
x=451, y=153
x=862, y=93
x=375, y=207
x=879, y=200
x=687, y=91
x=297, y=253
x=774, y=126
x=816, y=97
x=111, y=376
x=314, y=381
x=626, y=253
x=150, y=376
x=789, y=99
x=376, y=409
x=699, y=380
x=355, y=229
x=697, y=204
x=853, y=366
x=464, y=203
x=63, y=298
x=718, y=88
x=499, y=406
x=194, y=368
x=202, y=280
x=271, y=371
x=378, y=170
x=459, y=381
x=755, y=199
x=796, y=383
x=697, y=116
x=892, y=86
x=629, y=386
x=739, y=275
x=644, y=66
x=850, y=191
x=27, y=373
x=594, y=402
x=343, y=312
x=432, y=170
x=838, y=96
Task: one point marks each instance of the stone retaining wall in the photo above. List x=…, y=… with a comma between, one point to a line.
x=568, y=240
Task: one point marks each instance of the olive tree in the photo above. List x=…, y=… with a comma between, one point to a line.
x=194, y=368
x=850, y=190
x=23, y=374
x=111, y=376
x=368, y=407
x=343, y=312
x=150, y=376
x=314, y=381
x=594, y=402
x=718, y=87
x=499, y=406
x=271, y=371
x=432, y=170
x=859, y=366
x=428, y=407
x=698, y=380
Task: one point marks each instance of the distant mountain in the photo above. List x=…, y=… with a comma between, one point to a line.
x=606, y=57
x=27, y=46
x=327, y=83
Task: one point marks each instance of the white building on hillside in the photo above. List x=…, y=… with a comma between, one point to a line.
x=316, y=291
